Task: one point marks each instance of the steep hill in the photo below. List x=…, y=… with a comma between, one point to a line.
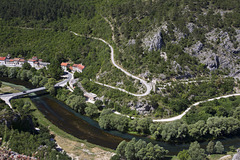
x=155, y=40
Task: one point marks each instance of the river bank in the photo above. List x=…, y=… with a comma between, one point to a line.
x=75, y=148
x=82, y=127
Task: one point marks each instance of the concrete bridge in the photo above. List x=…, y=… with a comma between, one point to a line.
x=8, y=97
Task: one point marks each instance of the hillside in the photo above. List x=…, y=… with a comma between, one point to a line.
x=154, y=40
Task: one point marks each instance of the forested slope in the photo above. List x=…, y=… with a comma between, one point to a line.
x=156, y=40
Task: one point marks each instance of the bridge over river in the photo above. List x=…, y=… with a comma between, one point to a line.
x=8, y=97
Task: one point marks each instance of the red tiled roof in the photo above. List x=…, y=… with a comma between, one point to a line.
x=64, y=64
x=16, y=59
x=2, y=58
x=31, y=60
x=22, y=60
x=11, y=60
x=71, y=68
x=79, y=66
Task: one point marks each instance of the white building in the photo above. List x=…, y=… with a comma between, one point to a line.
x=2, y=60
x=64, y=66
x=78, y=68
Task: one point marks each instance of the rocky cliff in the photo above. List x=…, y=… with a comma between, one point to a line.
x=219, y=51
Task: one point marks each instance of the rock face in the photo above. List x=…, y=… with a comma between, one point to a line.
x=141, y=107
x=153, y=41
x=219, y=53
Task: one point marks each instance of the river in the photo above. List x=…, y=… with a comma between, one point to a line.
x=87, y=129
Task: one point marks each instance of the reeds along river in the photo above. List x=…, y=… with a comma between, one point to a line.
x=87, y=129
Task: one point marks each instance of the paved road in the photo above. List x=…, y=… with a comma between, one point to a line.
x=148, y=86
x=195, y=104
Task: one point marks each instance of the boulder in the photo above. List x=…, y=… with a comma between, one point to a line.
x=237, y=155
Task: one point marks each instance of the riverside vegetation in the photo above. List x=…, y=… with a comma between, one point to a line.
x=17, y=129
x=200, y=39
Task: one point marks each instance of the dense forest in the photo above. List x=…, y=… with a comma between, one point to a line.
x=196, y=39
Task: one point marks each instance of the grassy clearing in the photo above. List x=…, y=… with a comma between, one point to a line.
x=7, y=89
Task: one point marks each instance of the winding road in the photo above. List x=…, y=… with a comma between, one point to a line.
x=148, y=86
x=195, y=104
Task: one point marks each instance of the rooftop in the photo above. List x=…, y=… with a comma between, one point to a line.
x=64, y=64
x=32, y=60
x=2, y=58
x=79, y=66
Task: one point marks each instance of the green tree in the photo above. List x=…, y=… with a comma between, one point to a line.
x=210, y=147
x=121, y=149
x=54, y=69
x=43, y=81
x=0, y=84
x=195, y=152
x=77, y=91
x=219, y=148
x=12, y=72
x=236, y=113
x=50, y=86
x=26, y=66
x=91, y=110
x=130, y=149
x=143, y=125
x=183, y=155
x=77, y=103
x=98, y=103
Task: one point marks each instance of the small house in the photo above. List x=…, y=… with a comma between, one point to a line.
x=16, y=61
x=64, y=66
x=31, y=62
x=43, y=64
x=78, y=68
x=22, y=61
x=10, y=61
x=2, y=60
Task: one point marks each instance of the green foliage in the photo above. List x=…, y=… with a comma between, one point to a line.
x=195, y=152
x=98, y=103
x=111, y=121
x=78, y=91
x=223, y=107
x=91, y=110
x=183, y=155
x=140, y=125
x=77, y=103
x=50, y=86
x=26, y=66
x=21, y=136
x=121, y=149
x=219, y=148
x=140, y=150
x=210, y=147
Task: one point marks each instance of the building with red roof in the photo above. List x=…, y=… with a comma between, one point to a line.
x=2, y=60
x=65, y=65
x=22, y=61
x=78, y=67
